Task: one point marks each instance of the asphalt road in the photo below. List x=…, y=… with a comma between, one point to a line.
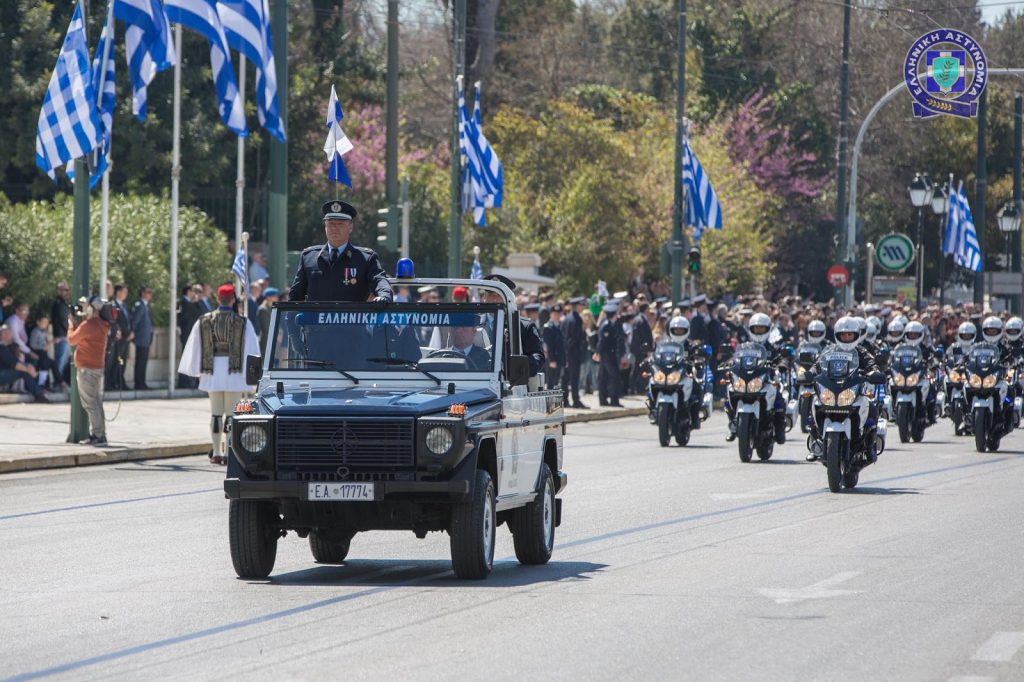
x=671, y=563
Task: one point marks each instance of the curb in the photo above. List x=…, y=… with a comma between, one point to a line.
x=113, y=456
x=108, y=396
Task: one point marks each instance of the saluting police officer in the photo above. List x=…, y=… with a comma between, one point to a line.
x=338, y=270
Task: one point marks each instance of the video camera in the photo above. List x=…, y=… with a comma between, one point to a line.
x=104, y=309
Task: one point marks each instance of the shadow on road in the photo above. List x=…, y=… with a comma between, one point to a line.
x=151, y=467
x=885, y=491
x=371, y=573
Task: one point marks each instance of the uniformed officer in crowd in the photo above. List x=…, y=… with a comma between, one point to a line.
x=575, y=338
x=529, y=335
x=339, y=270
x=554, y=347
x=611, y=346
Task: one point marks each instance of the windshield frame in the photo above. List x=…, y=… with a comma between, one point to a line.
x=272, y=371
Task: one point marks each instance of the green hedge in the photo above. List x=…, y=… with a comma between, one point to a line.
x=35, y=248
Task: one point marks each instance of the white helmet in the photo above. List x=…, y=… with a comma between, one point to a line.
x=1013, y=329
x=873, y=328
x=992, y=329
x=903, y=319
x=966, y=335
x=914, y=334
x=847, y=333
x=678, y=329
x=895, y=332
x=816, y=331
x=758, y=328
x=862, y=326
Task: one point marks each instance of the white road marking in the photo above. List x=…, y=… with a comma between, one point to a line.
x=971, y=678
x=819, y=590
x=764, y=492
x=1000, y=647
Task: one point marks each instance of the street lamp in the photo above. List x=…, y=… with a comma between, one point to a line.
x=940, y=205
x=1009, y=222
x=921, y=192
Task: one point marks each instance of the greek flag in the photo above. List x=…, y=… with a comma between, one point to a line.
x=961, y=238
x=247, y=28
x=201, y=16
x=482, y=174
x=148, y=46
x=240, y=270
x=337, y=144
x=103, y=81
x=69, y=124
x=702, y=207
x=476, y=272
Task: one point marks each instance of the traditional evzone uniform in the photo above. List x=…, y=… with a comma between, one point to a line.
x=215, y=352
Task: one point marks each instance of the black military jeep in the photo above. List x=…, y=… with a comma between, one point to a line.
x=419, y=417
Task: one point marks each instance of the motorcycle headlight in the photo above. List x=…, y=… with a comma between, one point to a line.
x=975, y=381
x=1009, y=376
x=898, y=379
x=659, y=377
x=990, y=381
x=826, y=396
x=440, y=440
x=801, y=375
x=739, y=385
x=847, y=397
x=913, y=379
x=673, y=378
x=253, y=438
x=754, y=385
x=956, y=377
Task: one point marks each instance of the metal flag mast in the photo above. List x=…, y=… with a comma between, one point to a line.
x=172, y=324
x=105, y=183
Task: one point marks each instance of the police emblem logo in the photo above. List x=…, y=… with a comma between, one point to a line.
x=336, y=207
x=945, y=72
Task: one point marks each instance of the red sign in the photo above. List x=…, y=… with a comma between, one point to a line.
x=838, y=276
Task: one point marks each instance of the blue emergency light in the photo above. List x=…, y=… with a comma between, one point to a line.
x=404, y=269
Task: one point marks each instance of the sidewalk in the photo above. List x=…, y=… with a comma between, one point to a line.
x=34, y=434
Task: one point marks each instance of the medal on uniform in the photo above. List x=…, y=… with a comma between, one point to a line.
x=349, y=276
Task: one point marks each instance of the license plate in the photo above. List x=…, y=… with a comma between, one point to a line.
x=341, y=492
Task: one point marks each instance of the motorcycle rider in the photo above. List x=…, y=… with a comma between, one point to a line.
x=894, y=335
x=816, y=332
x=992, y=331
x=758, y=329
x=1012, y=332
x=679, y=332
x=914, y=335
x=966, y=334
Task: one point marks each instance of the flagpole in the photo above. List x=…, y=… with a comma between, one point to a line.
x=105, y=191
x=172, y=324
x=245, y=280
x=240, y=175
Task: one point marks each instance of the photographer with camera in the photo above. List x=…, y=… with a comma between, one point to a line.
x=89, y=338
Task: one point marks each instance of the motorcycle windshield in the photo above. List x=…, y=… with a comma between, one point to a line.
x=668, y=354
x=807, y=354
x=983, y=358
x=906, y=357
x=750, y=355
x=840, y=363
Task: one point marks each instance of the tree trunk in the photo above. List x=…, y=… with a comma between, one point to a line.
x=483, y=40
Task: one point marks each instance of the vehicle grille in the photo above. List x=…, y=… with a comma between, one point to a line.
x=310, y=445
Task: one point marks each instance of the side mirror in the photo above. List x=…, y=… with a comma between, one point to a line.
x=708, y=350
x=790, y=351
x=940, y=351
x=253, y=369
x=517, y=369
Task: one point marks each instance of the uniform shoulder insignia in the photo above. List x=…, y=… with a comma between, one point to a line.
x=365, y=250
x=315, y=247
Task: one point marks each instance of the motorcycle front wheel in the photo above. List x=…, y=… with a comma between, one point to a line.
x=832, y=462
x=745, y=434
x=665, y=419
x=982, y=425
x=903, y=419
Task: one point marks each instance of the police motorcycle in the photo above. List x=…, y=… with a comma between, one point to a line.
x=991, y=411
x=756, y=403
x=1013, y=330
x=913, y=401
x=803, y=376
x=955, y=405
x=676, y=400
x=881, y=352
x=850, y=438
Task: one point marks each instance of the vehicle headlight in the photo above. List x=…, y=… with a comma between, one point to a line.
x=956, y=377
x=739, y=385
x=990, y=381
x=440, y=440
x=975, y=381
x=898, y=380
x=826, y=396
x=659, y=377
x=673, y=378
x=913, y=379
x=1009, y=376
x=847, y=397
x=253, y=438
x=801, y=375
x=754, y=385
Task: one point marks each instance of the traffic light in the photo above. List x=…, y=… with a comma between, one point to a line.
x=693, y=261
x=387, y=229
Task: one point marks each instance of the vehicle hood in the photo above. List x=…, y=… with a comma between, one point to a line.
x=375, y=401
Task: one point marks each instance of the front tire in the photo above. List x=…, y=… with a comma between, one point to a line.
x=745, y=435
x=533, y=531
x=903, y=421
x=832, y=464
x=765, y=450
x=805, y=415
x=253, y=537
x=665, y=418
x=472, y=531
x=328, y=551
x=982, y=425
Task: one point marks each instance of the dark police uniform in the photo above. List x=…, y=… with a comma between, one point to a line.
x=611, y=345
x=353, y=276
x=554, y=349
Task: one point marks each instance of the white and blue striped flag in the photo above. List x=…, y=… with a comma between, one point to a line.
x=247, y=28
x=103, y=84
x=337, y=144
x=240, y=269
x=201, y=16
x=69, y=124
x=702, y=207
x=482, y=174
x=961, y=238
x=476, y=272
x=148, y=46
